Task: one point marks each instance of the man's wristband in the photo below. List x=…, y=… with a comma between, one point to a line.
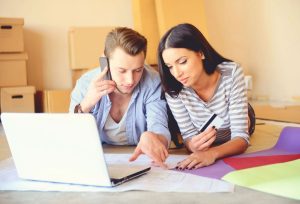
x=78, y=109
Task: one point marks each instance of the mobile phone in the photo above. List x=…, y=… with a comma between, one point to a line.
x=213, y=120
x=104, y=62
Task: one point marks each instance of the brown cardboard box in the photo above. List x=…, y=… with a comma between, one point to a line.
x=56, y=101
x=11, y=35
x=13, y=69
x=76, y=74
x=169, y=14
x=146, y=22
x=86, y=46
x=17, y=99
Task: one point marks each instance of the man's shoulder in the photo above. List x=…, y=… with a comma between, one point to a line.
x=150, y=76
x=89, y=75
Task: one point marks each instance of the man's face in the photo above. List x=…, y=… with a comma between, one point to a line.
x=126, y=70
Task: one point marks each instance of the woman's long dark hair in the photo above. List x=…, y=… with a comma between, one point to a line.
x=189, y=37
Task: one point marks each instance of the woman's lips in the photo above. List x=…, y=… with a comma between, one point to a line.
x=183, y=81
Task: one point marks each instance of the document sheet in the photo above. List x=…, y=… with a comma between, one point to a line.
x=157, y=180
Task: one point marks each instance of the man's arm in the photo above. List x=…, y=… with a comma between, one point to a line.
x=155, y=141
x=89, y=89
x=80, y=89
x=154, y=146
x=156, y=114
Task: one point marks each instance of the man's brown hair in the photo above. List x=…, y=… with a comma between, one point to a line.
x=127, y=39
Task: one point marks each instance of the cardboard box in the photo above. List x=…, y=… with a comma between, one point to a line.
x=56, y=101
x=13, y=70
x=146, y=22
x=169, y=14
x=11, y=35
x=86, y=45
x=17, y=99
x=76, y=74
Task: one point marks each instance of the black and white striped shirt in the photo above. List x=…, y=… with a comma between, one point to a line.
x=229, y=102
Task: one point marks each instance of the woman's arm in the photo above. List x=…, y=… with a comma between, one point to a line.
x=235, y=146
x=205, y=158
x=182, y=117
x=238, y=126
x=201, y=141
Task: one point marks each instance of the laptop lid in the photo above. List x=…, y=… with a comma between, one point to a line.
x=59, y=147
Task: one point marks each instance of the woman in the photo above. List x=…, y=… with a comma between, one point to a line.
x=198, y=82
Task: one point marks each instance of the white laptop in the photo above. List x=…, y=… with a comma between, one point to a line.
x=62, y=147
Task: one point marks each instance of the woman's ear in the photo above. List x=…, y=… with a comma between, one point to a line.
x=202, y=55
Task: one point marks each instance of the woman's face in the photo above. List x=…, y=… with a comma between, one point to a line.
x=184, y=64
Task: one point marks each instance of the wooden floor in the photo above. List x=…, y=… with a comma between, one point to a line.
x=264, y=137
x=289, y=114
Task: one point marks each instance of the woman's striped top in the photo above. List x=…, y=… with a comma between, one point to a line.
x=229, y=102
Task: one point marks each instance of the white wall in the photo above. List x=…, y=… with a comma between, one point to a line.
x=46, y=27
x=263, y=35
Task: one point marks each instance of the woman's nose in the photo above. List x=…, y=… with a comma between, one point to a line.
x=176, y=72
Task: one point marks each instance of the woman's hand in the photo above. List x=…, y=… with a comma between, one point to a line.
x=154, y=146
x=202, y=141
x=97, y=88
x=197, y=160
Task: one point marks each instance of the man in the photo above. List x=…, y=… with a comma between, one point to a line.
x=128, y=108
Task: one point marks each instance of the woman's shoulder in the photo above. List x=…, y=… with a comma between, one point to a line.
x=183, y=95
x=230, y=69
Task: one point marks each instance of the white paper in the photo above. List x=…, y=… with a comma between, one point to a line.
x=157, y=180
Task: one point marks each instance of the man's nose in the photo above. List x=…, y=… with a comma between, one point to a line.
x=129, y=79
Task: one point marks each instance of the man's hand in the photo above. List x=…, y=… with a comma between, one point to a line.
x=97, y=88
x=202, y=141
x=154, y=146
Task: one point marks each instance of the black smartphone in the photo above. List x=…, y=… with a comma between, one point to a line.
x=104, y=62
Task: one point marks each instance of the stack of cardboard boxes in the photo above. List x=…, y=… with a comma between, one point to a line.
x=86, y=45
x=15, y=95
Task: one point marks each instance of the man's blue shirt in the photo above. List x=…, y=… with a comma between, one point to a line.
x=146, y=110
